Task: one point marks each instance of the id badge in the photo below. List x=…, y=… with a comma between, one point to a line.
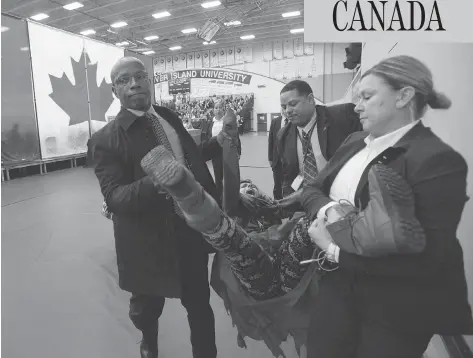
x=296, y=184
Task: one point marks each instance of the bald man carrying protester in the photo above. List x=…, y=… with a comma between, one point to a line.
x=158, y=254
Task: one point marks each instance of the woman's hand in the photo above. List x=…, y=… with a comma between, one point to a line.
x=333, y=214
x=319, y=234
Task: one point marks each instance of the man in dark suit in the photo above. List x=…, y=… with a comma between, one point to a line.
x=273, y=156
x=158, y=255
x=312, y=136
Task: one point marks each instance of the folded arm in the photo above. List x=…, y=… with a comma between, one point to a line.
x=440, y=194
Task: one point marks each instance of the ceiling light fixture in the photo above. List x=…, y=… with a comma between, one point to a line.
x=87, y=32
x=175, y=48
x=124, y=43
x=189, y=31
x=151, y=38
x=39, y=17
x=247, y=37
x=209, y=4
x=148, y=52
x=162, y=14
x=233, y=23
x=209, y=43
x=291, y=14
x=297, y=31
x=118, y=24
x=73, y=6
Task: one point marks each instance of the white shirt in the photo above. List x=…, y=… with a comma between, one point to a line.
x=217, y=126
x=314, y=140
x=346, y=182
x=170, y=133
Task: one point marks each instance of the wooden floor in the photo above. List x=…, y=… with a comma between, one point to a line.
x=60, y=297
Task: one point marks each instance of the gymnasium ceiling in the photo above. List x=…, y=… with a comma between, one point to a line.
x=261, y=18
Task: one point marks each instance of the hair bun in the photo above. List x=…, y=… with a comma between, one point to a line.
x=438, y=100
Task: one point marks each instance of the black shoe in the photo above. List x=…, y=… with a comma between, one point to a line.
x=148, y=352
x=149, y=343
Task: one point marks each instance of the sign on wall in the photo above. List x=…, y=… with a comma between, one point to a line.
x=212, y=74
x=288, y=49
x=267, y=51
x=179, y=85
x=214, y=58
x=230, y=56
x=277, y=50
x=239, y=55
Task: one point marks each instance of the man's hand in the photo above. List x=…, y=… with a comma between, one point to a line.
x=319, y=234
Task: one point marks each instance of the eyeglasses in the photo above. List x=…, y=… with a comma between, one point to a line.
x=125, y=80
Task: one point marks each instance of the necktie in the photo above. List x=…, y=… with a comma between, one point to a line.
x=310, y=170
x=162, y=138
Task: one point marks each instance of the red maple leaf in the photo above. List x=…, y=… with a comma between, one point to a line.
x=73, y=98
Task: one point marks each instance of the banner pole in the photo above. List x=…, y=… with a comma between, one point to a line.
x=87, y=87
x=34, y=97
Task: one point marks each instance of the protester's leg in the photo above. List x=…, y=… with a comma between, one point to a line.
x=249, y=262
x=144, y=312
x=297, y=248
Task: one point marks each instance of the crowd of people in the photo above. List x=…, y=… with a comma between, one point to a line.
x=195, y=110
x=375, y=197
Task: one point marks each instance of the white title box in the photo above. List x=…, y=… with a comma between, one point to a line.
x=388, y=20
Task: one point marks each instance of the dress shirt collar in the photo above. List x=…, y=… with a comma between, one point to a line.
x=141, y=113
x=309, y=125
x=391, y=138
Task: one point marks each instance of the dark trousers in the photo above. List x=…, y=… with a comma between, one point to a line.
x=145, y=310
x=277, y=177
x=339, y=330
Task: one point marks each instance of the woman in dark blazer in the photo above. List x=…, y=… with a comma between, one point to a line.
x=391, y=306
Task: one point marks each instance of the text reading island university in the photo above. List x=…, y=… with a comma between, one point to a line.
x=211, y=74
x=349, y=15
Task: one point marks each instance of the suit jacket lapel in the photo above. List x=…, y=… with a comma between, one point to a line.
x=339, y=159
x=322, y=129
x=388, y=157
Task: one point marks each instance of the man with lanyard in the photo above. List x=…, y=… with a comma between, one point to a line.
x=309, y=140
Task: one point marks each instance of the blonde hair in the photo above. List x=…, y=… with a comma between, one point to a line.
x=403, y=71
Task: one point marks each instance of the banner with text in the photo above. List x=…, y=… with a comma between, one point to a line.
x=393, y=20
x=203, y=73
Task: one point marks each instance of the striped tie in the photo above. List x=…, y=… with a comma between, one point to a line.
x=310, y=170
x=163, y=140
